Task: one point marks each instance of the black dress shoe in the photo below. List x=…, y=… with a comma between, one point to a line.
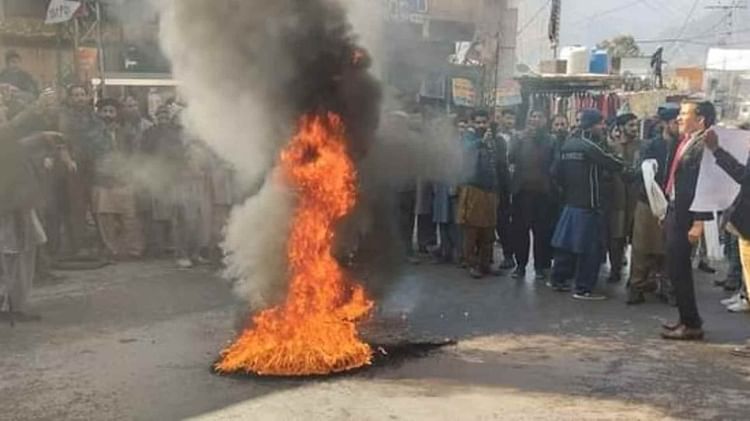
x=683, y=333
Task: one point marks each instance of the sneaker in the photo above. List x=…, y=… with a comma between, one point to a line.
x=743, y=306
x=734, y=299
x=706, y=268
x=588, y=296
x=476, y=273
x=519, y=273
x=541, y=274
x=558, y=287
x=184, y=263
x=200, y=260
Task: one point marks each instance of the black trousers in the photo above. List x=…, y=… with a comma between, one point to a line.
x=536, y=213
x=680, y=269
x=504, y=228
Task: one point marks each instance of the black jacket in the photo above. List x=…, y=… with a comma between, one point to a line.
x=538, y=139
x=579, y=169
x=740, y=211
x=685, y=183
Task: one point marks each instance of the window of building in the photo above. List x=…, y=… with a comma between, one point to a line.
x=419, y=6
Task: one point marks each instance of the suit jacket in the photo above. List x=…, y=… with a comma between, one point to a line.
x=685, y=182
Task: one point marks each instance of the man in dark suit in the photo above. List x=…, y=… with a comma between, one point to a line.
x=684, y=227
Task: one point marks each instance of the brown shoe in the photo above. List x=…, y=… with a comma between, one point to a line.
x=683, y=333
x=671, y=326
x=742, y=351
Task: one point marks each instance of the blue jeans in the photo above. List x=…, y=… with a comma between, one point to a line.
x=733, y=257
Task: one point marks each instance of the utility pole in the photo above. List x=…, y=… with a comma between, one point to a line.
x=100, y=47
x=728, y=78
x=87, y=31
x=729, y=9
x=554, y=26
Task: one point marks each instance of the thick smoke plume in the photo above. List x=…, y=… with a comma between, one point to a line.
x=248, y=70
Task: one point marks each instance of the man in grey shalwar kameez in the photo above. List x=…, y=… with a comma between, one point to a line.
x=20, y=193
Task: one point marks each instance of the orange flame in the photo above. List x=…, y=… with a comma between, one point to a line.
x=314, y=331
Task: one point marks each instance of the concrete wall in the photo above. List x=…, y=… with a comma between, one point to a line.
x=458, y=10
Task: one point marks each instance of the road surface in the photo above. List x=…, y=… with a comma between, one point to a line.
x=135, y=342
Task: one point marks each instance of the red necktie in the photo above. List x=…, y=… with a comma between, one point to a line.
x=676, y=162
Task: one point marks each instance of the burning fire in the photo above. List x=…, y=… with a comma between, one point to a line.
x=314, y=331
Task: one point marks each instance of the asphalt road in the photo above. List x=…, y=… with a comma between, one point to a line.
x=135, y=342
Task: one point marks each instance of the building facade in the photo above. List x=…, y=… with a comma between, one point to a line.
x=431, y=42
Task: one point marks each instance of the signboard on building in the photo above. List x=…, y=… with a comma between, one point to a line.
x=414, y=11
x=60, y=11
x=464, y=94
x=508, y=94
x=728, y=60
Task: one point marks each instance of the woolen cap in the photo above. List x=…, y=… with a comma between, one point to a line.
x=590, y=117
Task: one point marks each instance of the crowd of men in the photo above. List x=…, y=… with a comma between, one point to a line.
x=84, y=185
x=583, y=195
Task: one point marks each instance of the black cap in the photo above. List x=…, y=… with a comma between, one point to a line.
x=668, y=111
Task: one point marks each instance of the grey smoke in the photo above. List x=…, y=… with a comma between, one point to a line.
x=248, y=69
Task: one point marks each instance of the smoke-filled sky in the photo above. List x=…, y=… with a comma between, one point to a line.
x=588, y=22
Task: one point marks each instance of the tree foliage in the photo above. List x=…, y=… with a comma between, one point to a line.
x=621, y=46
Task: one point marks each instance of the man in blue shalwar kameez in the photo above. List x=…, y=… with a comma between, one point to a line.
x=579, y=235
